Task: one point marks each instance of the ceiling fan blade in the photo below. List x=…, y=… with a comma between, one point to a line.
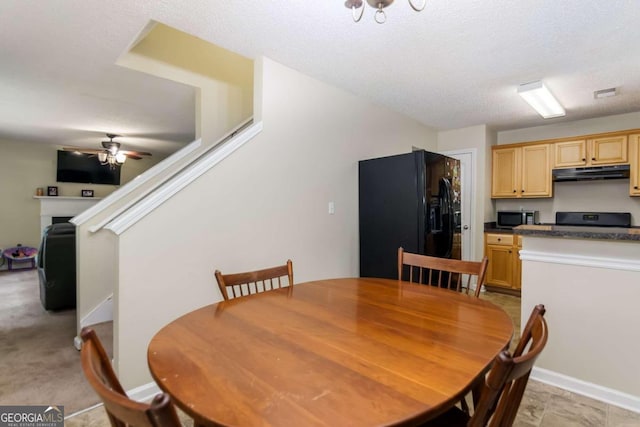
x=114, y=147
x=137, y=153
x=81, y=150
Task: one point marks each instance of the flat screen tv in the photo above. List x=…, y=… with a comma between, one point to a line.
x=85, y=168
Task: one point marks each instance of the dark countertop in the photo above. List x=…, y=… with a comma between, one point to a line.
x=567, y=231
x=490, y=227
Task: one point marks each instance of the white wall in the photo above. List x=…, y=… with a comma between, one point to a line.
x=490, y=207
x=590, y=289
x=265, y=203
x=610, y=196
x=569, y=129
x=222, y=82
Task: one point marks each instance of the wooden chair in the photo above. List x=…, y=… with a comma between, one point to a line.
x=504, y=385
x=251, y=282
x=121, y=410
x=442, y=272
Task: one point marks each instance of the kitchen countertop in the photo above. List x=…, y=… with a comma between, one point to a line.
x=490, y=227
x=572, y=232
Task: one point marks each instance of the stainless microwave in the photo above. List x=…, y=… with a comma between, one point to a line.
x=510, y=219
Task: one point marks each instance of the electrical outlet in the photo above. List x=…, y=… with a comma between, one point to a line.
x=332, y=208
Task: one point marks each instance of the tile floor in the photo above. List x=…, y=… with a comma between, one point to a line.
x=542, y=404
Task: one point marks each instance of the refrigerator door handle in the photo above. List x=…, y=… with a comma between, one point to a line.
x=447, y=206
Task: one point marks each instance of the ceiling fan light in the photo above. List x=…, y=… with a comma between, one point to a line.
x=102, y=157
x=121, y=157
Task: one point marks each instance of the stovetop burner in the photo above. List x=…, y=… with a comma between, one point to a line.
x=594, y=219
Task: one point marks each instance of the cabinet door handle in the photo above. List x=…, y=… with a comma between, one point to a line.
x=584, y=160
x=509, y=250
x=593, y=158
x=515, y=191
x=635, y=187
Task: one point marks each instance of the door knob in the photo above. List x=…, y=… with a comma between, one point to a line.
x=466, y=227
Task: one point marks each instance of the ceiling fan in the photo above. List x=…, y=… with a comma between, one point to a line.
x=111, y=155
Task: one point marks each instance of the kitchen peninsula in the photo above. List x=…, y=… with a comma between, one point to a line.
x=589, y=280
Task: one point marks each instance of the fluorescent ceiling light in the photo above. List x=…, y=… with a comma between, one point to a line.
x=539, y=97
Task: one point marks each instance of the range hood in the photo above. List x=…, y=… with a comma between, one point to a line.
x=590, y=173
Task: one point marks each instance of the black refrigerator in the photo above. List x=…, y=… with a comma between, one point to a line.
x=410, y=200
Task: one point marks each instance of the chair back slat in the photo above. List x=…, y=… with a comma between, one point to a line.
x=443, y=272
x=504, y=385
x=121, y=410
x=237, y=285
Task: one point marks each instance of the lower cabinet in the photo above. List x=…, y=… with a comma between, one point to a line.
x=505, y=268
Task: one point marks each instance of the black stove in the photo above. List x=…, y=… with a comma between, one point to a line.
x=594, y=219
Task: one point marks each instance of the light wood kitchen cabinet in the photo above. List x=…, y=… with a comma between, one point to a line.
x=504, y=269
x=521, y=172
x=517, y=271
x=634, y=157
x=505, y=172
x=610, y=150
x=570, y=153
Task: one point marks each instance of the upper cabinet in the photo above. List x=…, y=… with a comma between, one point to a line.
x=608, y=151
x=634, y=155
x=525, y=170
x=521, y=172
x=591, y=152
x=570, y=153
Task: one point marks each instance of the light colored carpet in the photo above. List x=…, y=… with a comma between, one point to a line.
x=40, y=365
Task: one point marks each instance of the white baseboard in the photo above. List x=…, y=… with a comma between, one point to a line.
x=594, y=391
x=144, y=393
x=102, y=313
x=82, y=411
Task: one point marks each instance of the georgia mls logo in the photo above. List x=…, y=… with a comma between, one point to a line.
x=54, y=408
x=31, y=416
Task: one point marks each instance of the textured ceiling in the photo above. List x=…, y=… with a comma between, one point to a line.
x=455, y=64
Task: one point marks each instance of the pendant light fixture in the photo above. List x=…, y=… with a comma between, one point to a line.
x=357, y=8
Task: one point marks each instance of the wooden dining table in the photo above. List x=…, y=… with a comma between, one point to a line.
x=339, y=352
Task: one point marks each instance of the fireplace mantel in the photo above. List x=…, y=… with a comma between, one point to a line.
x=51, y=206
